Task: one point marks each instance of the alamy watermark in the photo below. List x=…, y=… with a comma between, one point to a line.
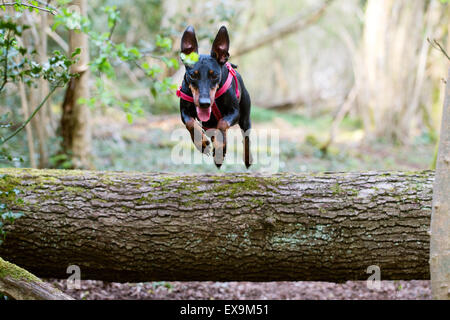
x=74, y=280
x=374, y=281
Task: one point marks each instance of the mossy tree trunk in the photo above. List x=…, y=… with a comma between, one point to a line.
x=144, y=227
x=19, y=284
x=440, y=223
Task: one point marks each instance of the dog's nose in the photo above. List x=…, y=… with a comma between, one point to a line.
x=204, y=102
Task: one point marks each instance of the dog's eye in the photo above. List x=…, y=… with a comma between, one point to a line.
x=195, y=75
x=213, y=75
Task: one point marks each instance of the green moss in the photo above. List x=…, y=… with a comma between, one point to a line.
x=49, y=179
x=10, y=190
x=245, y=184
x=148, y=200
x=337, y=189
x=15, y=272
x=8, y=181
x=258, y=202
x=75, y=190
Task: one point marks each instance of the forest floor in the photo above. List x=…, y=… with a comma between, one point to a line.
x=147, y=145
x=351, y=290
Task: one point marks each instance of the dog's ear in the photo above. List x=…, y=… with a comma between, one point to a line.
x=221, y=45
x=189, y=41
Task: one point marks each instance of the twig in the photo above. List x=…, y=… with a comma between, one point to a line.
x=48, y=5
x=342, y=112
x=139, y=67
x=4, y=140
x=56, y=37
x=10, y=4
x=112, y=30
x=436, y=45
x=283, y=29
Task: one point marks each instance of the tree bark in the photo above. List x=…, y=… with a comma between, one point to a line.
x=39, y=122
x=133, y=227
x=19, y=284
x=440, y=222
x=75, y=120
x=28, y=129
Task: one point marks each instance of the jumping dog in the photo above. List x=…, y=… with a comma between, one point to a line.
x=213, y=93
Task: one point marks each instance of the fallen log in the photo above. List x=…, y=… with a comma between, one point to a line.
x=19, y=284
x=133, y=227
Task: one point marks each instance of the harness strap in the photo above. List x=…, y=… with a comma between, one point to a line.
x=220, y=92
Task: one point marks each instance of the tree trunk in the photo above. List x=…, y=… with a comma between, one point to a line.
x=28, y=129
x=132, y=227
x=395, y=60
x=39, y=121
x=440, y=222
x=19, y=284
x=75, y=120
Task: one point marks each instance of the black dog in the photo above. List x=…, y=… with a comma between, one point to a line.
x=213, y=93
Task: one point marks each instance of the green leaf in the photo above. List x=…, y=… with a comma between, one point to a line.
x=154, y=92
x=76, y=52
x=129, y=118
x=145, y=66
x=163, y=42
x=135, y=52
x=189, y=59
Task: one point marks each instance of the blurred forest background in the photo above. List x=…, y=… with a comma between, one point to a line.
x=350, y=84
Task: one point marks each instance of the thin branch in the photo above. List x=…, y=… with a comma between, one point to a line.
x=11, y=4
x=342, y=112
x=436, y=45
x=4, y=140
x=139, y=67
x=112, y=30
x=57, y=38
x=48, y=5
x=282, y=29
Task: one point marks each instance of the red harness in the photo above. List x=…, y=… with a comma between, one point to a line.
x=221, y=91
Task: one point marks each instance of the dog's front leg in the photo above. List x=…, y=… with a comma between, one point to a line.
x=198, y=137
x=219, y=139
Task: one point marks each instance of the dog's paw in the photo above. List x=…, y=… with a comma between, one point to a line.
x=218, y=159
x=248, y=160
x=219, y=155
x=206, y=148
